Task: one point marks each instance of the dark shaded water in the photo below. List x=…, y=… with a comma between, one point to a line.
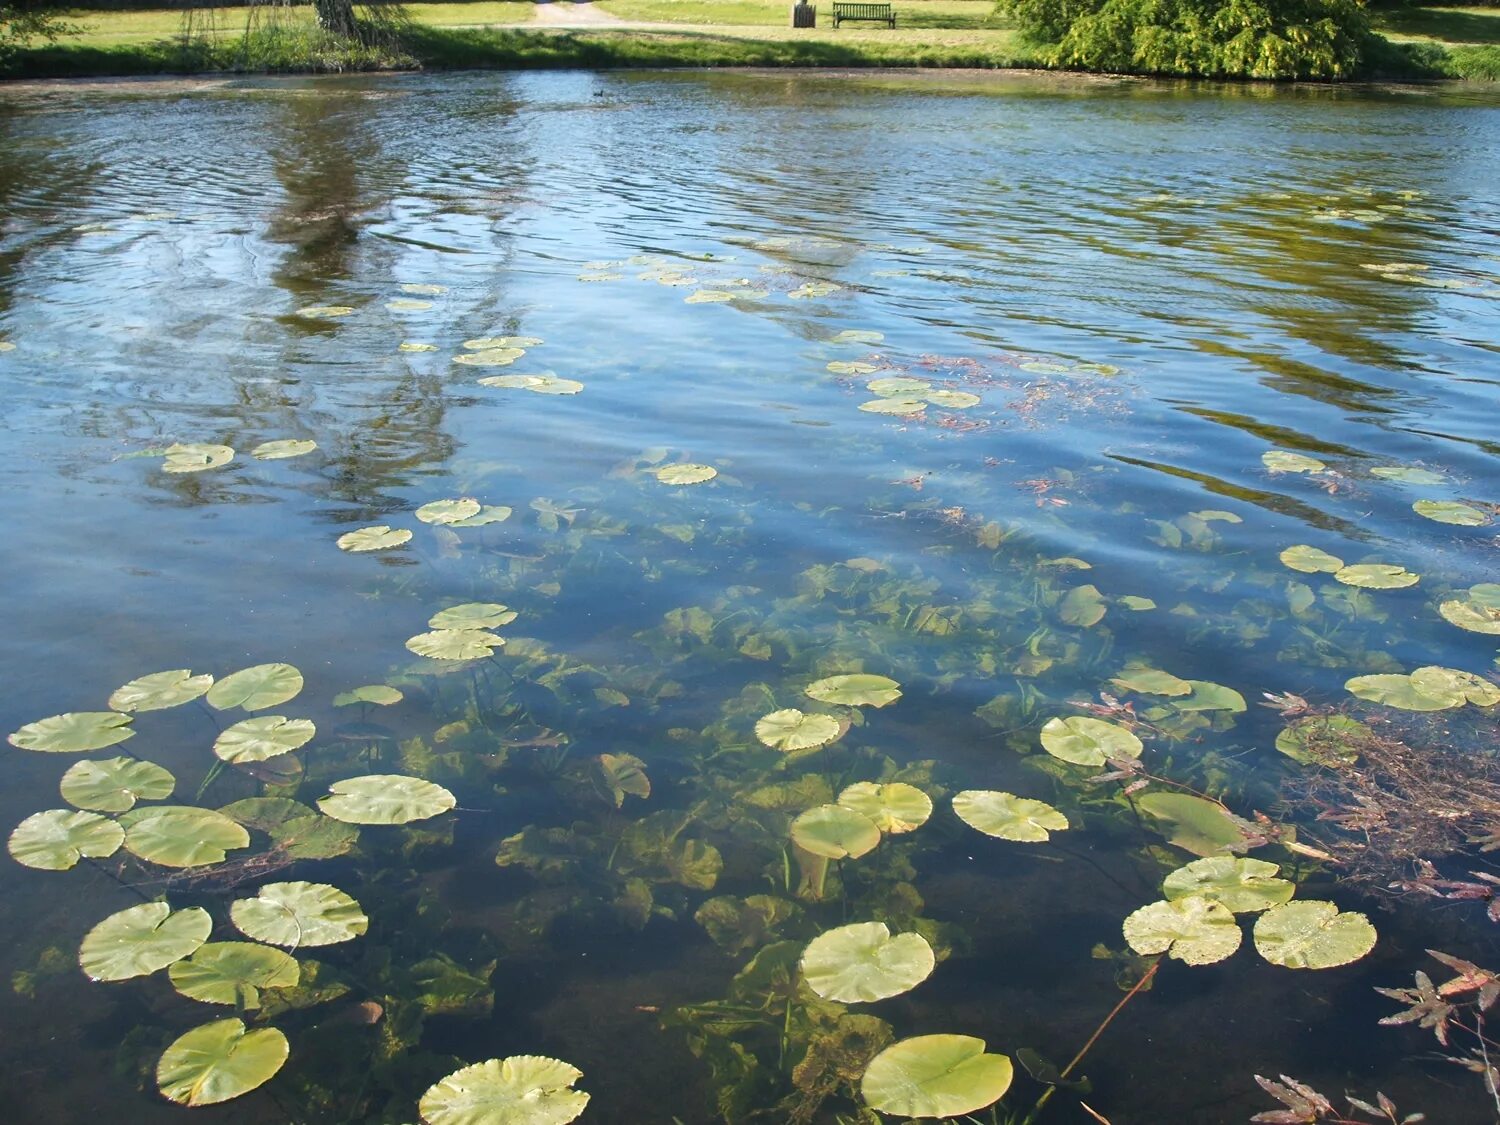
x=1147, y=286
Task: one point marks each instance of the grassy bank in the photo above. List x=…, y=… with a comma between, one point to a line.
x=1421, y=43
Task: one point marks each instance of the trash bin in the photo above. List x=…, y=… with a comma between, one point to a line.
x=804, y=15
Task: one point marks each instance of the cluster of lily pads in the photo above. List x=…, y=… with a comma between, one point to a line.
x=463, y=511
x=1456, y=512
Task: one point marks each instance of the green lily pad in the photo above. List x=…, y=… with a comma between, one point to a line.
x=139, y=940
x=814, y=289
x=709, y=297
x=299, y=915
x=381, y=695
x=407, y=304
x=1042, y=367
x=218, y=1061
x=1088, y=742
x=1151, y=681
x=1136, y=603
x=385, y=798
x=861, y=963
x=416, y=346
x=1377, y=576
x=57, y=839
x=490, y=343
x=181, y=836
x=935, y=1076
x=520, y=1090
x=1451, y=511
x=1396, y=690
x=1194, y=930
x=379, y=537
x=894, y=405
x=115, y=784
x=1478, y=612
x=233, y=972
x=1209, y=696
x=857, y=690
x=1083, y=606
x=552, y=385
x=256, y=688
x=852, y=367
x=686, y=474
x=448, y=511
x=1323, y=740
x=1280, y=461
x=1242, y=885
x=1194, y=824
x=1406, y=474
x=1312, y=935
x=423, y=289
x=324, y=312
x=1310, y=560
x=513, y=382
x=283, y=449
x=1441, y=683
x=488, y=514
x=160, y=690
x=954, y=400
x=473, y=615
x=857, y=336
x=490, y=357
x=195, y=457
x=265, y=736
x=74, y=732
x=1008, y=817
x=834, y=832
x=895, y=807
x=455, y=644
x=898, y=386
x=302, y=832
x=791, y=730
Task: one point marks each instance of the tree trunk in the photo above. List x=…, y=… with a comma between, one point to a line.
x=336, y=16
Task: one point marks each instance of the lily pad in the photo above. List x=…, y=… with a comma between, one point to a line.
x=218, y=1061
x=490, y=343
x=834, y=832
x=256, y=688
x=139, y=940
x=265, y=736
x=380, y=537
x=1451, y=511
x=195, y=457
x=553, y=385
x=115, y=784
x=1083, y=606
x=857, y=690
x=283, y=449
x=490, y=513
x=448, y=511
x=1194, y=930
x=1209, y=696
x=74, y=732
x=1280, y=461
x=1408, y=474
x=857, y=336
x=1242, y=885
x=709, y=297
x=160, y=690
x=455, y=644
x=1312, y=935
x=1194, y=824
x=57, y=839
x=791, y=730
x=233, y=972
x=490, y=357
x=1324, y=740
x=181, y=836
x=1377, y=576
x=1151, y=681
x=1088, y=742
x=852, y=367
x=1441, y=683
x=1310, y=560
x=473, y=615
x=407, y=304
x=898, y=386
x=324, y=312
x=1396, y=690
x=385, y=798
x=520, y=1090
x=423, y=289
x=1478, y=611
x=381, y=695
x=299, y=915
x=935, y=1076
x=895, y=807
x=861, y=963
x=894, y=405
x=954, y=400
x=1008, y=817
x=416, y=346
x=686, y=474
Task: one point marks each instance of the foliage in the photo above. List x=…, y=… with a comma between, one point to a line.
x=22, y=24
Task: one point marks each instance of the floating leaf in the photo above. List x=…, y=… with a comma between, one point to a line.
x=857, y=690
x=448, y=511
x=74, y=732
x=1194, y=824
x=160, y=690
x=1241, y=885
x=299, y=915
x=256, y=688
x=422, y=289
x=1451, y=511
x=181, y=836
x=1310, y=560
x=1324, y=740
x=281, y=450
x=834, y=832
x=1396, y=690
x=115, y=784
x=324, y=312
x=895, y=807
x=1151, y=681
x=1088, y=742
x=1377, y=576
x=1312, y=935
x=139, y=940
x=1042, y=367
x=265, y=736
x=857, y=336
x=385, y=799
x=496, y=513
x=194, y=457
x=813, y=290
x=616, y=776
x=862, y=962
x=490, y=343
x=686, y=474
x=898, y=386
x=852, y=367
x=709, y=297
x=1405, y=474
x=1194, y=930
x=1082, y=606
x=552, y=385
x=298, y=830
x=57, y=839
x=473, y=615
x=1135, y=603
x=1280, y=461
x=954, y=400
x=415, y=346
x=1209, y=515
x=491, y=357
x=379, y=694
x=380, y=537
x=233, y=972
x=219, y=1061
x=894, y=406
x=520, y=1090
x=1008, y=817
x=1209, y=696
x=1442, y=683
x=792, y=729
x=455, y=644
x=407, y=304
x=935, y=1076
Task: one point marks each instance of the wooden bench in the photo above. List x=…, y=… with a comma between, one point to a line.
x=880, y=13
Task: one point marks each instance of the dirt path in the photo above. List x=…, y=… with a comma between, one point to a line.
x=572, y=13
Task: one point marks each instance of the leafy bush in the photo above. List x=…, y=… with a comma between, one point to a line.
x=21, y=23
x=1209, y=38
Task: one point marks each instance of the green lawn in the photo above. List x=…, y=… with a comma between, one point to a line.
x=948, y=14
x=1452, y=26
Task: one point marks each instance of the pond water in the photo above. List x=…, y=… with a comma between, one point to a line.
x=1106, y=303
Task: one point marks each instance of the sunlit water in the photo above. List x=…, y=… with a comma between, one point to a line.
x=1147, y=286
